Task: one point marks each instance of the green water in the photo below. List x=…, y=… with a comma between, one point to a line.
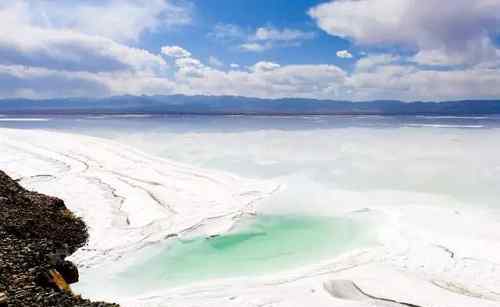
x=268, y=244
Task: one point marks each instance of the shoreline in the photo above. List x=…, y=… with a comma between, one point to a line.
x=184, y=200
x=37, y=234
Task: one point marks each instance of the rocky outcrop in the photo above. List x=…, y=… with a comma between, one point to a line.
x=37, y=232
x=3, y=300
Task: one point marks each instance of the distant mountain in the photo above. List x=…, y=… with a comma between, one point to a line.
x=181, y=104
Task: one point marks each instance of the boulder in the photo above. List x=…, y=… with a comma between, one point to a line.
x=68, y=270
x=3, y=299
x=53, y=279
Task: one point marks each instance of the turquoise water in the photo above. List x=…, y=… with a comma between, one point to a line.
x=268, y=244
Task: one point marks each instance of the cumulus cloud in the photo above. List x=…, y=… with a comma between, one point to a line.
x=20, y=81
x=372, y=61
x=66, y=50
x=175, y=52
x=375, y=76
x=344, y=54
x=188, y=63
x=22, y=43
x=456, y=33
x=266, y=79
x=50, y=53
x=264, y=66
x=44, y=56
x=454, y=55
x=122, y=20
x=406, y=82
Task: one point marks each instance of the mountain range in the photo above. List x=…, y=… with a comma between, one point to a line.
x=182, y=104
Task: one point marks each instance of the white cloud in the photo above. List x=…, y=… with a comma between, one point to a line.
x=137, y=84
x=266, y=79
x=376, y=76
x=458, y=35
x=344, y=54
x=20, y=81
x=373, y=61
x=460, y=31
x=404, y=82
x=22, y=44
x=51, y=61
x=266, y=38
x=214, y=61
x=42, y=57
x=191, y=68
x=273, y=34
x=256, y=47
x=264, y=66
x=120, y=20
x=188, y=63
x=227, y=32
x=175, y=52
x=476, y=52
x=260, y=39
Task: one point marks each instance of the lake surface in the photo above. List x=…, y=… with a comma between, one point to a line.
x=331, y=168
x=317, y=155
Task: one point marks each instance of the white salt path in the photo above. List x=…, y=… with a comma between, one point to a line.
x=429, y=256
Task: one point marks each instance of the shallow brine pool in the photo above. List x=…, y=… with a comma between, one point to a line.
x=262, y=245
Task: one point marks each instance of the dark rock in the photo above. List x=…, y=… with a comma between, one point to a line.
x=37, y=233
x=68, y=271
x=43, y=279
x=53, y=279
x=3, y=299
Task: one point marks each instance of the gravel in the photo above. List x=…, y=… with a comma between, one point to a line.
x=36, y=233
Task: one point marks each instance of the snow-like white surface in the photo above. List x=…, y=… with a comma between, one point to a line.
x=430, y=255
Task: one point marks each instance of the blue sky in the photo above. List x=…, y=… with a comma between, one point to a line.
x=341, y=49
x=248, y=16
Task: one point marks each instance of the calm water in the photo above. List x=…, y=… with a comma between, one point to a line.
x=268, y=243
x=104, y=124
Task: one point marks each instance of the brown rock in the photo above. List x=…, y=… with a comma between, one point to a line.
x=53, y=279
x=58, y=281
x=3, y=300
x=68, y=271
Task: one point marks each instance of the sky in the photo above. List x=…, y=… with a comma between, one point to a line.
x=342, y=50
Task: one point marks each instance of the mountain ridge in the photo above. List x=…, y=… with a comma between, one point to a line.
x=201, y=104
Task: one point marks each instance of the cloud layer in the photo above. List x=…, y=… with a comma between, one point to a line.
x=49, y=49
x=120, y=20
x=442, y=33
x=45, y=52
